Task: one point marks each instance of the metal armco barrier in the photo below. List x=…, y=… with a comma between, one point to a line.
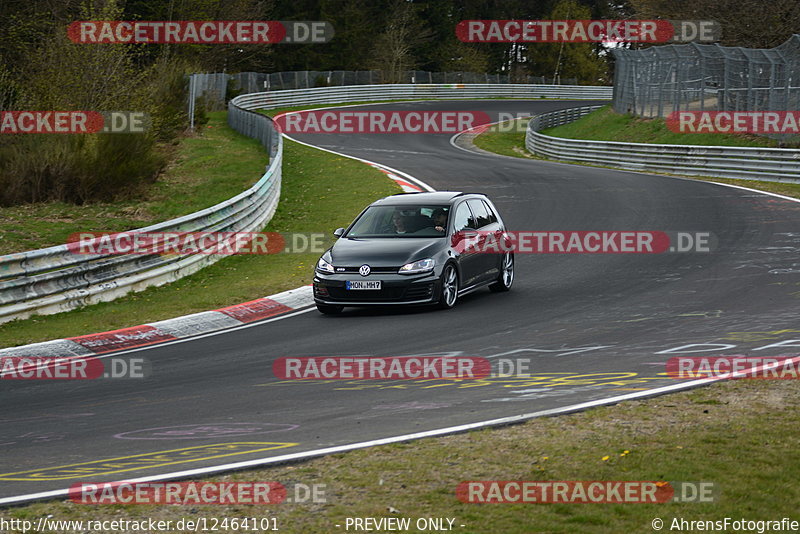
x=53, y=279
x=749, y=163
x=365, y=93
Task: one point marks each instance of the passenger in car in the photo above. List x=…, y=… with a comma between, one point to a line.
x=400, y=223
x=440, y=220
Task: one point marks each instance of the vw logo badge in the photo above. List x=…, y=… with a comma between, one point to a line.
x=364, y=270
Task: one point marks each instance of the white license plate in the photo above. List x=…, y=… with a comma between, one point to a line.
x=361, y=284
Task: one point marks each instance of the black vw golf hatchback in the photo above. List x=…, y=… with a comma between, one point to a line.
x=415, y=248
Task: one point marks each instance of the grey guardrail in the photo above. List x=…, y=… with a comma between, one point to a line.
x=750, y=163
x=366, y=93
x=54, y=279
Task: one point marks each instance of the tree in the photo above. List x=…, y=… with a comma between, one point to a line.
x=464, y=57
x=748, y=23
x=394, y=48
x=568, y=60
x=212, y=57
x=61, y=75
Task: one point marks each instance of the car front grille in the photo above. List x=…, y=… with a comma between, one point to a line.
x=389, y=294
x=373, y=270
x=419, y=291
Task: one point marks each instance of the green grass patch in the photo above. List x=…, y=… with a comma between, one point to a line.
x=509, y=140
x=506, y=138
x=205, y=169
x=320, y=191
x=740, y=435
x=605, y=125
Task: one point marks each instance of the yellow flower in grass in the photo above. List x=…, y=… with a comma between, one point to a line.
x=605, y=458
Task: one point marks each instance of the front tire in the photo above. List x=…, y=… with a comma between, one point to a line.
x=506, y=276
x=448, y=293
x=329, y=309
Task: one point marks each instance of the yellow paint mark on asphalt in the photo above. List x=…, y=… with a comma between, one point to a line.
x=149, y=460
x=548, y=380
x=758, y=335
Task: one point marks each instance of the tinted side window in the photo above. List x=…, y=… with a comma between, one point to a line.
x=463, y=218
x=492, y=216
x=482, y=217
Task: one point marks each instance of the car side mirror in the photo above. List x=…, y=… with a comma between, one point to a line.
x=339, y=232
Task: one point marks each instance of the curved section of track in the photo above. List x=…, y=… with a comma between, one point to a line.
x=593, y=326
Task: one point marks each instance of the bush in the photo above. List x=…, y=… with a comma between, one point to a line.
x=77, y=168
x=163, y=97
x=84, y=168
x=321, y=81
x=200, y=112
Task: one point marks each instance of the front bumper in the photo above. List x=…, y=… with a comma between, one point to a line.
x=395, y=289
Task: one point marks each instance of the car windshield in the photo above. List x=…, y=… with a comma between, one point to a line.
x=401, y=221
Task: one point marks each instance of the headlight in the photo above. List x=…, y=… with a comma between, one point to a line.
x=324, y=266
x=417, y=267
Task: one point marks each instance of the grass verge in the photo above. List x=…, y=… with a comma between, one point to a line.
x=199, y=176
x=320, y=192
x=605, y=125
x=740, y=435
x=509, y=140
x=506, y=138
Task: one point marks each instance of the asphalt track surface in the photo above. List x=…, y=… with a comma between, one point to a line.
x=591, y=325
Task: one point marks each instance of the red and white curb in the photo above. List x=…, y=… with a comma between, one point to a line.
x=407, y=183
x=201, y=323
x=171, y=329
x=404, y=184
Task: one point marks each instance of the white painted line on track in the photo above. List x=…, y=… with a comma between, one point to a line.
x=777, y=195
x=406, y=437
x=249, y=464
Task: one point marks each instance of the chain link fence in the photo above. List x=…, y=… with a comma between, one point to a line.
x=655, y=81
